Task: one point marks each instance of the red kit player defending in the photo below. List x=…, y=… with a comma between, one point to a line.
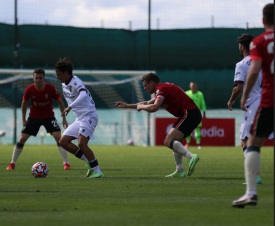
x=41, y=95
x=174, y=100
x=262, y=57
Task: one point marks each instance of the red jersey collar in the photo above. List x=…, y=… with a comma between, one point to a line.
x=42, y=89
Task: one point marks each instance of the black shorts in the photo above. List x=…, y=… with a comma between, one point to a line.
x=188, y=121
x=263, y=124
x=32, y=125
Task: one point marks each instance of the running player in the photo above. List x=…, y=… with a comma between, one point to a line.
x=262, y=56
x=198, y=99
x=254, y=98
x=81, y=103
x=41, y=95
x=173, y=99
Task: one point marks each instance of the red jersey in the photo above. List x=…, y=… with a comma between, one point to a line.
x=262, y=48
x=41, y=100
x=175, y=101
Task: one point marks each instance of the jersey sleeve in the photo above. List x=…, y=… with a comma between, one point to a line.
x=203, y=106
x=26, y=95
x=256, y=50
x=80, y=86
x=239, y=74
x=160, y=93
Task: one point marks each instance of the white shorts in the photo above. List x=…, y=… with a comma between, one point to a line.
x=86, y=127
x=248, y=118
x=271, y=136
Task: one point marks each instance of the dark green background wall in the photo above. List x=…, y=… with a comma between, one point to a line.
x=207, y=56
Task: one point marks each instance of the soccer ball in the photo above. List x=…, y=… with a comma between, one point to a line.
x=130, y=142
x=40, y=170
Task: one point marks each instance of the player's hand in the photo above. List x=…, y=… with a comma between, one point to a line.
x=121, y=105
x=139, y=107
x=229, y=105
x=64, y=123
x=243, y=100
x=24, y=122
x=66, y=111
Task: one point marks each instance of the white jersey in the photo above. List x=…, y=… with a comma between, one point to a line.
x=241, y=71
x=71, y=92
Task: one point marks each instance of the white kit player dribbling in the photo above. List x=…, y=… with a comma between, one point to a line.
x=81, y=103
x=83, y=107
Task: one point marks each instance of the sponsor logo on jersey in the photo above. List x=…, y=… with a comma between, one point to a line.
x=33, y=96
x=43, y=104
x=46, y=96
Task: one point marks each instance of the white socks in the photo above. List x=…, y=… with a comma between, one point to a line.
x=15, y=154
x=64, y=154
x=180, y=149
x=83, y=157
x=178, y=160
x=252, y=166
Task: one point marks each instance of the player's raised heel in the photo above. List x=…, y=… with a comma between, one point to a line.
x=192, y=163
x=245, y=200
x=11, y=166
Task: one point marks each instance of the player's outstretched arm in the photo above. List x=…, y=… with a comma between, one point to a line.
x=62, y=108
x=151, y=107
x=120, y=104
x=24, y=107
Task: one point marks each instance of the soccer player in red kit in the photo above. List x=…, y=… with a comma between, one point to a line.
x=262, y=57
x=41, y=95
x=174, y=100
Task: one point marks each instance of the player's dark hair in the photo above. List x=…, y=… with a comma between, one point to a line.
x=245, y=40
x=39, y=71
x=64, y=65
x=150, y=77
x=268, y=13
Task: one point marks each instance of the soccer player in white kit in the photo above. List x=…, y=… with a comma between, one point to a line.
x=254, y=98
x=81, y=103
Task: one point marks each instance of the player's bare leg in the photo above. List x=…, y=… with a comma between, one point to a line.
x=173, y=140
x=62, y=151
x=252, y=170
x=18, y=150
x=92, y=164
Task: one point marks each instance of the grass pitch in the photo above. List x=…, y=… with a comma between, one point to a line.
x=135, y=191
